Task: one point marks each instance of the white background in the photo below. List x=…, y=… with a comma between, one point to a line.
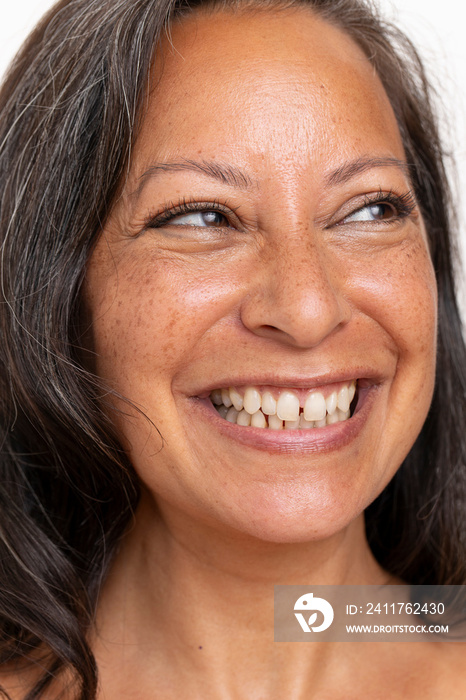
x=436, y=27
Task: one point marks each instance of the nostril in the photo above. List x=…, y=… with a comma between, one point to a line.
x=296, y=317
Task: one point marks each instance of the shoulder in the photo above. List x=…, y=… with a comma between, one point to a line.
x=451, y=666
x=438, y=670
x=16, y=680
x=414, y=670
x=19, y=678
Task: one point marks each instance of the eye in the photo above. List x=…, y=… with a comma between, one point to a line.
x=379, y=211
x=382, y=207
x=200, y=219
x=194, y=215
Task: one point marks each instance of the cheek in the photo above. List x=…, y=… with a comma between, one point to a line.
x=400, y=294
x=150, y=315
x=401, y=297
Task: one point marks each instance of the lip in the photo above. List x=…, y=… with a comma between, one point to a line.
x=326, y=439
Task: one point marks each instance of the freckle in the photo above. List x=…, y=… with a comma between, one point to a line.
x=169, y=350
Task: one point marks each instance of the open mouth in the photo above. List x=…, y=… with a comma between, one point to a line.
x=278, y=408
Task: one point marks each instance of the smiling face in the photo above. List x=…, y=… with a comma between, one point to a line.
x=267, y=251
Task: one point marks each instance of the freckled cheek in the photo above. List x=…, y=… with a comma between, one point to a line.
x=401, y=296
x=155, y=323
x=415, y=300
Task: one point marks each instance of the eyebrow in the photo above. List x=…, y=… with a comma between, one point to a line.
x=233, y=176
x=223, y=172
x=349, y=170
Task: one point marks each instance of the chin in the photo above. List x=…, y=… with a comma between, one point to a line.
x=295, y=516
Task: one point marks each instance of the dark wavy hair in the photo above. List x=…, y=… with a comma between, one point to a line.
x=71, y=106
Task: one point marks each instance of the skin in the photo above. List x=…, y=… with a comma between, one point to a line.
x=177, y=309
x=294, y=285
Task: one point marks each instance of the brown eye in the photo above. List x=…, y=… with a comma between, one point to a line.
x=212, y=218
x=379, y=211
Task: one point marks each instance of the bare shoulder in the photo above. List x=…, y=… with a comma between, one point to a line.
x=408, y=670
x=435, y=670
x=451, y=665
x=16, y=681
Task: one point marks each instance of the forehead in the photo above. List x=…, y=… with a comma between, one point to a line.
x=267, y=83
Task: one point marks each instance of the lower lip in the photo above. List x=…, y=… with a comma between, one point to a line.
x=331, y=437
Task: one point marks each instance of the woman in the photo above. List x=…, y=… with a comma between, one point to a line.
x=227, y=285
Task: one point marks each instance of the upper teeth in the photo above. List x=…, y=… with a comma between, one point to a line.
x=264, y=410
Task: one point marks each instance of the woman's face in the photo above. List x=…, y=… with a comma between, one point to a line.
x=268, y=240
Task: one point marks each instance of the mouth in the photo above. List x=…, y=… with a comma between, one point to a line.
x=281, y=408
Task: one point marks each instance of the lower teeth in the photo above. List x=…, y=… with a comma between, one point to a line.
x=273, y=422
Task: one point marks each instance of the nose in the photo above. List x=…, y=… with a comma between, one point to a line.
x=297, y=294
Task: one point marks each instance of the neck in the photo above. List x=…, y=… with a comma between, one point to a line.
x=184, y=584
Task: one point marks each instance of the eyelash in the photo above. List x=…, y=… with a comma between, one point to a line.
x=170, y=211
x=403, y=206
